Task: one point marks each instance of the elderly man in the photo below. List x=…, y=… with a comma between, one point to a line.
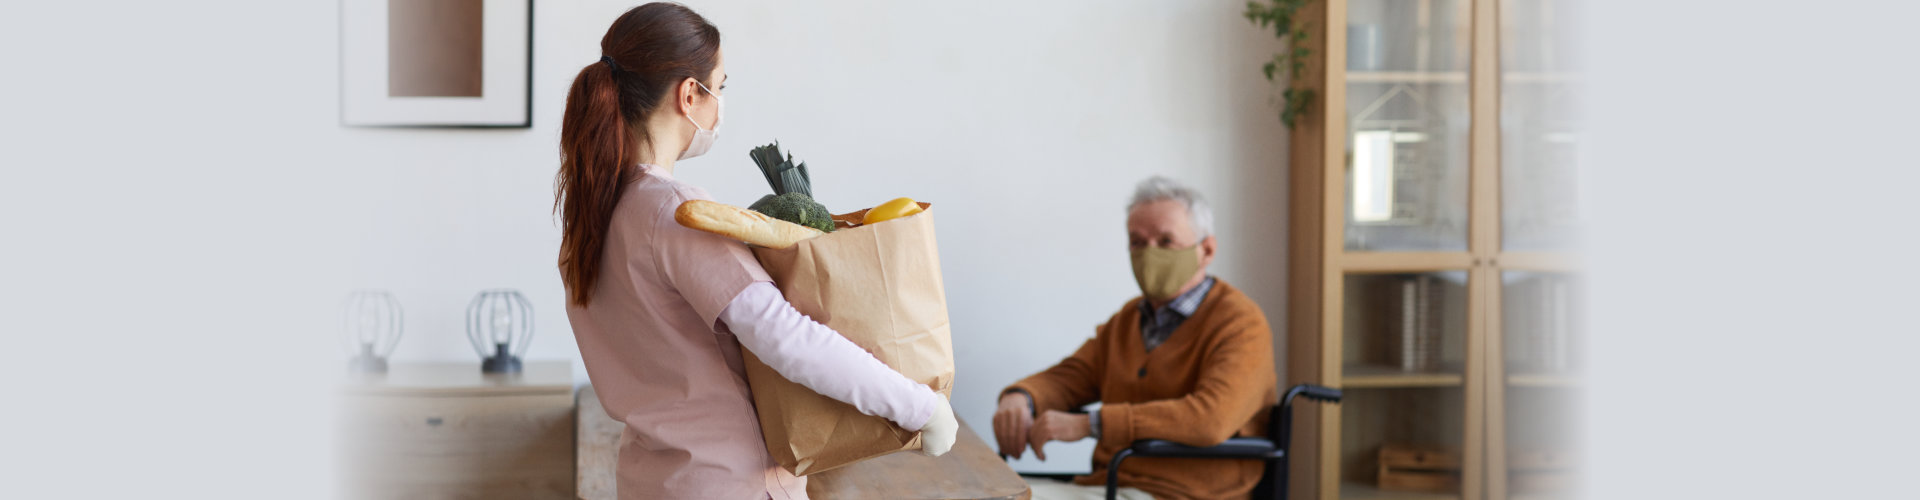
x=1190, y=361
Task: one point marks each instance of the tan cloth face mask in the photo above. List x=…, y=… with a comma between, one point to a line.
x=1161, y=271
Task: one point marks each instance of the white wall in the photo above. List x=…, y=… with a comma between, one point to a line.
x=1027, y=123
x=1751, y=271
x=234, y=200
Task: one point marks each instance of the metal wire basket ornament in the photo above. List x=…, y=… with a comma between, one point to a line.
x=500, y=325
x=370, y=325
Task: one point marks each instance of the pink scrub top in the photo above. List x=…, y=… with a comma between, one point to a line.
x=660, y=362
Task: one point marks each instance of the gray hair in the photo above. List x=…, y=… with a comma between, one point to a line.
x=1157, y=188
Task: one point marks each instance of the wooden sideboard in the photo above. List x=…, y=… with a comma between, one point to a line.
x=445, y=430
x=972, y=470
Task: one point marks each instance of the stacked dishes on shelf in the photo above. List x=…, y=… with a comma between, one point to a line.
x=1416, y=334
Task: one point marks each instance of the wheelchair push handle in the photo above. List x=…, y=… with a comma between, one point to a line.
x=1321, y=393
x=1312, y=392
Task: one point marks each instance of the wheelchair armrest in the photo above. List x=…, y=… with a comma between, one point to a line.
x=1240, y=447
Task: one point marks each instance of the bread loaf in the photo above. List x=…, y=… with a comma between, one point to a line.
x=741, y=224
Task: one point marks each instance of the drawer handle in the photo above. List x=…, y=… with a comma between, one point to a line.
x=433, y=421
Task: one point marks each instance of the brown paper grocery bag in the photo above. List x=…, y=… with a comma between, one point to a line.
x=879, y=285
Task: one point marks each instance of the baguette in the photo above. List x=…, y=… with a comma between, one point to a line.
x=741, y=224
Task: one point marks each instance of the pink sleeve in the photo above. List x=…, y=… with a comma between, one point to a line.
x=815, y=356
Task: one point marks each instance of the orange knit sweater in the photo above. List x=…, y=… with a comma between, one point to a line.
x=1213, y=379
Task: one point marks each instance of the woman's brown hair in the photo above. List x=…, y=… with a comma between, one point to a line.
x=646, y=52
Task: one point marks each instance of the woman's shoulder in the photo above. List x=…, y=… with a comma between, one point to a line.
x=653, y=195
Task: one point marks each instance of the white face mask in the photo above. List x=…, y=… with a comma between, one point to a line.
x=703, y=137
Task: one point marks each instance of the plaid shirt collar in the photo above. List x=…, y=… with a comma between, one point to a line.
x=1157, y=325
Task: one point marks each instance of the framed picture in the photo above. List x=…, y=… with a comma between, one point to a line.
x=436, y=63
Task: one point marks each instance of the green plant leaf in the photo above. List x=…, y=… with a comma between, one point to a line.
x=1292, y=32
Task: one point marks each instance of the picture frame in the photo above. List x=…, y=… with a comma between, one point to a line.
x=436, y=63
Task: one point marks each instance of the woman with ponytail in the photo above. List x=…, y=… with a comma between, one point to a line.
x=656, y=308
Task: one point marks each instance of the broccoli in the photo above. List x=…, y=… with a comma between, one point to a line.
x=796, y=208
x=792, y=198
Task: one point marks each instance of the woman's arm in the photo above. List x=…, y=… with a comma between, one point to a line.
x=815, y=356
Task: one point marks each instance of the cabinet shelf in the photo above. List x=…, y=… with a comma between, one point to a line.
x=1455, y=77
x=1407, y=77
x=1539, y=77
x=1350, y=490
x=1370, y=376
x=1404, y=262
x=1543, y=380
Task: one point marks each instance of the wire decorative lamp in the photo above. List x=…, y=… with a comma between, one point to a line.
x=370, y=326
x=500, y=324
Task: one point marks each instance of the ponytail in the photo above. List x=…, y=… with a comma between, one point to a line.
x=596, y=161
x=647, y=50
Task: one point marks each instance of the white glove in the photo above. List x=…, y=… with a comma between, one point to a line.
x=936, y=438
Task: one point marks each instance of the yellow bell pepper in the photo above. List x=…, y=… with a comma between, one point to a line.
x=894, y=209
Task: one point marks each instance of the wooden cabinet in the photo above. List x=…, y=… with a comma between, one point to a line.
x=1433, y=249
x=444, y=430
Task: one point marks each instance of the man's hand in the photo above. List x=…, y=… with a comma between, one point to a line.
x=1011, y=423
x=1055, y=425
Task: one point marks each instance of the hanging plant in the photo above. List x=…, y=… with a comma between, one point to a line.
x=1283, y=17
